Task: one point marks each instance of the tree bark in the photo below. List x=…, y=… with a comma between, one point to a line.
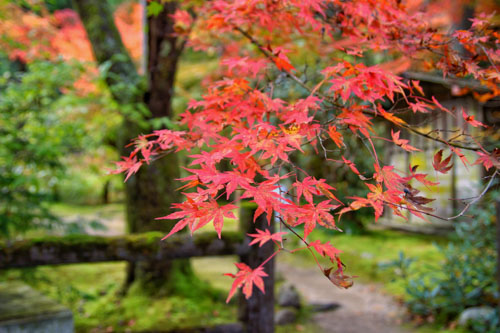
x=257, y=312
x=151, y=191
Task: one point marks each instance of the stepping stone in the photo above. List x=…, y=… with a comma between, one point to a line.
x=323, y=307
x=24, y=310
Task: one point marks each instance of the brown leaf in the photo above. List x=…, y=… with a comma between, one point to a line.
x=338, y=278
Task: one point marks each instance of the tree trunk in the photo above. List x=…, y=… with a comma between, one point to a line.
x=257, y=312
x=151, y=191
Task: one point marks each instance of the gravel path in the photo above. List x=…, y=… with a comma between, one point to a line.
x=363, y=309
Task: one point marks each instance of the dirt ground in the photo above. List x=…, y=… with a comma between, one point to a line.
x=363, y=308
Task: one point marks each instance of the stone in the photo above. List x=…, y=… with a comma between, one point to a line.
x=323, y=307
x=288, y=296
x=24, y=310
x=285, y=317
x=479, y=313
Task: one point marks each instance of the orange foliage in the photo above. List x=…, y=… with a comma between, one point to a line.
x=30, y=36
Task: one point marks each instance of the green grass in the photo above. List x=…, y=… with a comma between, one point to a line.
x=106, y=211
x=363, y=254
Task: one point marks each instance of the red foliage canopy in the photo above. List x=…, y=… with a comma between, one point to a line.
x=328, y=52
x=239, y=120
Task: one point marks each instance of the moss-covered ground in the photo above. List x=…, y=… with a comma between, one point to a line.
x=92, y=292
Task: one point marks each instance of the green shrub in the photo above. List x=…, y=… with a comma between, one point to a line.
x=466, y=277
x=35, y=135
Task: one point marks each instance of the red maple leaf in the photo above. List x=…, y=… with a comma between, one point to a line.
x=265, y=197
x=471, y=120
x=441, y=165
x=311, y=214
x=263, y=237
x=325, y=249
x=489, y=160
x=130, y=165
x=389, y=116
x=351, y=165
x=198, y=214
x=402, y=143
x=306, y=188
x=281, y=60
x=283, y=64
x=460, y=155
x=416, y=85
x=442, y=108
x=336, y=136
x=419, y=107
x=420, y=177
x=246, y=277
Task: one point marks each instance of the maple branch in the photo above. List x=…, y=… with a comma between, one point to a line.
x=415, y=210
x=428, y=136
x=425, y=135
x=464, y=210
x=271, y=257
x=490, y=60
x=449, y=81
x=270, y=56
x=468, y=205
x=302, y=239
x=322, y=145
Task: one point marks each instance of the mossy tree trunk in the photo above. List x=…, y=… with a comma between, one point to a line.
x=151, y=191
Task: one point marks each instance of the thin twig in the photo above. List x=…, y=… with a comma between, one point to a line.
x=466, y=208
x=303, y=241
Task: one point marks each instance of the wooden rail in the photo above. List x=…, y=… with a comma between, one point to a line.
x=132, y=248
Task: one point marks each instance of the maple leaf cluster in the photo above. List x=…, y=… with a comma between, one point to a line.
x=239, y=120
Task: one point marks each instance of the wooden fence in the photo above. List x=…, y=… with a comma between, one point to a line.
x=256, y=314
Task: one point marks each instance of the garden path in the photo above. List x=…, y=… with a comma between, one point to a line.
x=363, y=307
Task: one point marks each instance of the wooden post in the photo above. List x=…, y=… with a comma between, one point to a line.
x=257, y=313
